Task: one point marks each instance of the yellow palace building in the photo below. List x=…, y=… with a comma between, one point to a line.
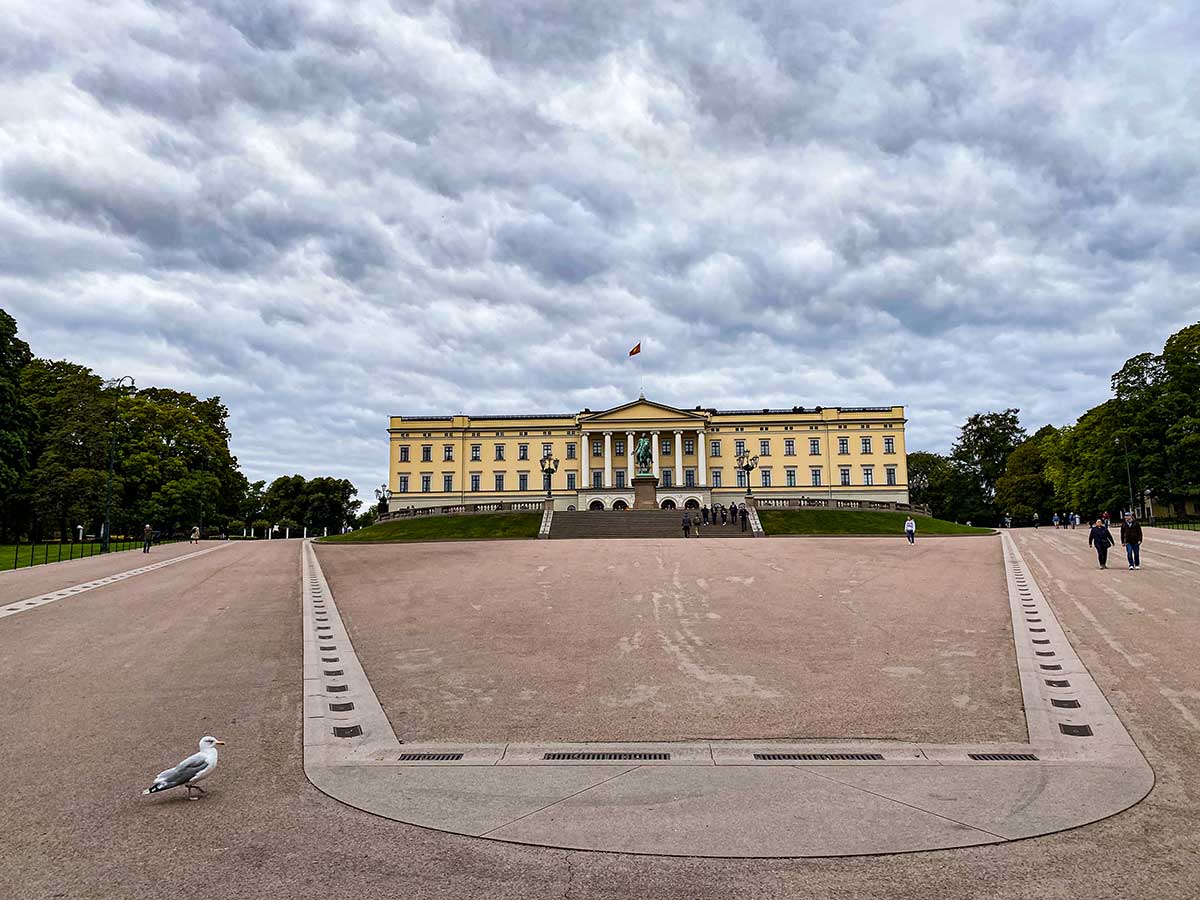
x=831, y=452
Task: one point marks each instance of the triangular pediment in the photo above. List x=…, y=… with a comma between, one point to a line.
x=644, y=411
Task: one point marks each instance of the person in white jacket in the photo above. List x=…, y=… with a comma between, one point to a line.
x=910, y=530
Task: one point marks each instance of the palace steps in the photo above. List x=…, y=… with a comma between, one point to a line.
x=634, y=523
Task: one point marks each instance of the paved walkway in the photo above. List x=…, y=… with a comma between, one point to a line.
x=735, y=799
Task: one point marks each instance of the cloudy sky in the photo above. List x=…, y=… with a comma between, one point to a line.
x=327, y=213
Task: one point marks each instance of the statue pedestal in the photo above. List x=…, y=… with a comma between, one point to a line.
x=645, y=492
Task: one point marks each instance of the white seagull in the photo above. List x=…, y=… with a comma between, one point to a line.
x=191, y=770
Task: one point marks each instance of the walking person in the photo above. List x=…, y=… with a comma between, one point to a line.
x=1105, y=518
x=194, y=537
x=1131, y=537
x=744, y=515
x=704, y=513
x=724, y=516
x=147, y=538
x=687, y=524
x=1099, y=538
x=910, y=530
x=1055, y=520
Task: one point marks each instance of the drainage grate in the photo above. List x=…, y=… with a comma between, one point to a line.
x=429, y=757
x=1060, y=683
x=1038, y=630
x=341, y=707
x=330, y=647
x=347, y=731
x=337, y=688
x=1051, y=668
x=1065, y=704
x=815, y=757
x=559, y=757
x=1003, y=757
x=329, y=659
x=1041, y=640
x=1045, y=652
x=334, y=672
x=1075, y=730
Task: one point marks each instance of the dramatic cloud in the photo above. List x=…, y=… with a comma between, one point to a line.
x=331, y=212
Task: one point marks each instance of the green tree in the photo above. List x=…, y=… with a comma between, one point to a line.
x=1024, y=490
x=16, y=420
x=985, y=442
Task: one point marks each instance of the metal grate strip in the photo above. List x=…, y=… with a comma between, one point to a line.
x=1003, y=757
x=817, y=757
x=429, y=757
x=591, y=757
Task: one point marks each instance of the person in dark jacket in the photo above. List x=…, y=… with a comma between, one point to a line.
x=704, y=514
x=1131, y=537
x=1099, y=538
x=687, y=524
x=745, y=516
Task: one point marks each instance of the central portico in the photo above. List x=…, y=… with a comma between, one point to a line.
x=678, y=474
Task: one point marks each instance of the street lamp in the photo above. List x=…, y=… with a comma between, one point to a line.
x=747, y=464
x=383, y=497
x=1129, y=478
x=549, y=467
x=112, y=454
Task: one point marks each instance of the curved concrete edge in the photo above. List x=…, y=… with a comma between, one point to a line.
x=713, y=799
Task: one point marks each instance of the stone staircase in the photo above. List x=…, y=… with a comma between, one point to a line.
x=634, y=523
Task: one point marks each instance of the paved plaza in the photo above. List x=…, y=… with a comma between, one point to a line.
x=105, y=687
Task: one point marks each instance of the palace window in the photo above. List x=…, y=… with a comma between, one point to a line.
x=475, y=482
x=739, y=447
x=714, y=448
x=427, y=453
x=843, y=446
x=689, y=477
x=447, y=483
x=404, y=453
x=499, y=453
x=547, y=450
x=402, y=484
x=868, y=474
x=845, y=476
x=741, y=478
x=889, y=474
x=597, y=448
x=426, y=484
x=715, y=475
x=571, y=450
x=523, y=481
x=620, y=473
x=764, y=448
x=789, y=447
x=597, y=479
x=889, y=445
x=866, y=445
x=499, y=481
x=765, y=475
x=522, y=451
x=689, y=446
x=570, y=481
x=666, y=448
x=791, y=477
x=815, y=477
x=666, y=478
x=476, y=451
x=619, y=447
x=814, y=446
x=447, y=453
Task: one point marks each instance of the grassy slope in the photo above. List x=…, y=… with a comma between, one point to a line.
x=446, y=528
x=847, y=521
x=10, y=553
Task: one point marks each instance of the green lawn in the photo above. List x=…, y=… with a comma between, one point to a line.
x=18, y=555
x=850, y=521
x=484, y=526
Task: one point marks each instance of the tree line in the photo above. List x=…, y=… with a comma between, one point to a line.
x=62, y=427
x=1139, y=448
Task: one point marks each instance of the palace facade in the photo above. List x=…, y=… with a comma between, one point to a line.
x=851, y=453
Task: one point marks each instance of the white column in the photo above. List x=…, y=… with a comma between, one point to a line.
x=608, y=480
x=679, y=459
x=702, y=455
x=629, y=459
x=585, y=455
x=654, y=447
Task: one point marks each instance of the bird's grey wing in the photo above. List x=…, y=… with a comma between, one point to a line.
x=183, y=772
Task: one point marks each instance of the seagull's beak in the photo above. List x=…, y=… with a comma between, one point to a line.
x=220, y=743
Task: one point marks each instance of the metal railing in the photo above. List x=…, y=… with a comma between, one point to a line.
x=26, y=554
x=835, y=503
x=458, y=509
x=1178, y=526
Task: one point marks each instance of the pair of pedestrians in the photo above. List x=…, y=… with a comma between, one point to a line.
x=1131, y=537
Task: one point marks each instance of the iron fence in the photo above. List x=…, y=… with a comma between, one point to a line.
x=26, y=554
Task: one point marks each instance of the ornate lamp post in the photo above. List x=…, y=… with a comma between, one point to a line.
x=1129, y=478
x=549, y=467
x=112, y=455
x=382, y=497
x=747, y=464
